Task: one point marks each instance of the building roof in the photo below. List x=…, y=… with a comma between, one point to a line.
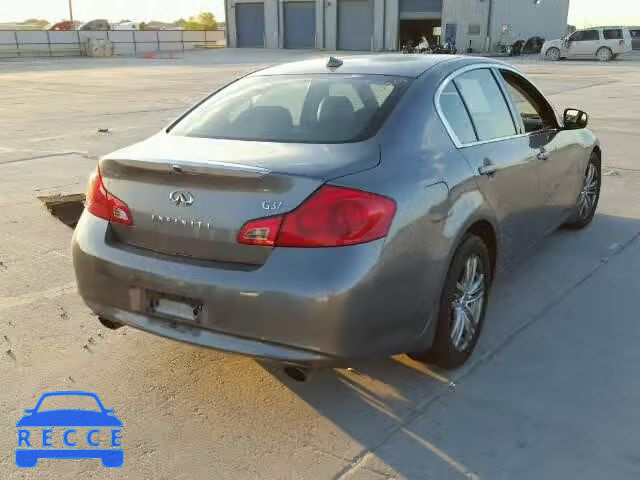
x=385, y=64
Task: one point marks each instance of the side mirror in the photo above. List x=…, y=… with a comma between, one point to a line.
x=575, y=119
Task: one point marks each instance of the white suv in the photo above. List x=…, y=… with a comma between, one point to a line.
x=603, y=43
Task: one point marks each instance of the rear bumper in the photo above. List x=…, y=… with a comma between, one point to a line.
x=301, y=306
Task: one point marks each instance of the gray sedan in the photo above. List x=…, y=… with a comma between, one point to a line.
x=321, y=211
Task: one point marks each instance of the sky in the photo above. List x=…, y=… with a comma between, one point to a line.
x=582, y=12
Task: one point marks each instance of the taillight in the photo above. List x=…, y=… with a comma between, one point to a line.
x=262, y=231
x=102, y=204
x=331, y=217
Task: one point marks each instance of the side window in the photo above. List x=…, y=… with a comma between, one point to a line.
x=535, y=112
x=486, y=104
x=456, y=114
x=613, y=34
x=590, y=35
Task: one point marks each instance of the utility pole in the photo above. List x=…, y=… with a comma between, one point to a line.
x=70, y=11
x=489, y=13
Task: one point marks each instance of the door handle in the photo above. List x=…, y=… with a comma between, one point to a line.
x=542, y=155
x=489, y=168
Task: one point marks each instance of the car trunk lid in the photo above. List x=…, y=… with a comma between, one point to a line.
x=191, y=196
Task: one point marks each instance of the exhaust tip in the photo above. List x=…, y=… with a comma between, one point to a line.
x=299, y=374
x=109, y=324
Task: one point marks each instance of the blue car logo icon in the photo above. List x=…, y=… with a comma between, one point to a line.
x=71, y=424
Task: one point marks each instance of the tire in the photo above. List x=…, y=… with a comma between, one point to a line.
x=112, y=459
x=604, y=54
x=581, y=218
x=445, y=351
x=553, y=54
x=26, y=459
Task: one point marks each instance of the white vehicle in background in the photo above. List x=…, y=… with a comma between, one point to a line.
x=603, y=43
x=126, y=26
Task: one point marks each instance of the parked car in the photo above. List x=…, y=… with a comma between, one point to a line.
x=533, y=45
x=96, y=25
x=602, y=43
x=125, y=26
x=318, y=212
x=635, y=38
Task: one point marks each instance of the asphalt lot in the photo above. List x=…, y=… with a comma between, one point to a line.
x=551, y=392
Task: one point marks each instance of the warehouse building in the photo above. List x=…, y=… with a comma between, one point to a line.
x=378, y=25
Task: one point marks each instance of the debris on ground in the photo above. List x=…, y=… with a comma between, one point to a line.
x=104, y=130
x=66, y=208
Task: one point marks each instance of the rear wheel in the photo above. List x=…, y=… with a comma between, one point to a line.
x=604, y=54
x=589, y=196
x=553, y=54
x=462, y=306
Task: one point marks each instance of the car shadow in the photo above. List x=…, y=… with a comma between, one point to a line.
x=377, y=401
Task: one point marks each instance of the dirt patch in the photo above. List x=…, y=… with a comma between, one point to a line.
x=66, y=208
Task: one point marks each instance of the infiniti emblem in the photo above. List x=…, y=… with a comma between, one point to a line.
x=181, y=198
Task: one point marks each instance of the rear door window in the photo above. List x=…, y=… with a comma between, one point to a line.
x=613, y=34
x=486, y=104
x=456, y=115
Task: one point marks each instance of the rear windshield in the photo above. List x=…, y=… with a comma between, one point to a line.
x=327, y=108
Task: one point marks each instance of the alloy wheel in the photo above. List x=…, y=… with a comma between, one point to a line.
x=466, y=307
x=553, y=54
x=589, y=194
x=604, y=54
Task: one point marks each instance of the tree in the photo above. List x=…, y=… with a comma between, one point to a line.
x=202, y=21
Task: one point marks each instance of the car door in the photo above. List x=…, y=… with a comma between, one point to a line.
x=557, y=154
x=583, y=43
x=613, y=38
x=505, y=168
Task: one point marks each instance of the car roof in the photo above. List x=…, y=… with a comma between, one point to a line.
x=397, y=64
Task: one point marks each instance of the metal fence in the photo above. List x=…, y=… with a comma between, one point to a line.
x=23, y=43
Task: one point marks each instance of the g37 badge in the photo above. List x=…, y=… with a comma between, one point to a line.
x=271, y=205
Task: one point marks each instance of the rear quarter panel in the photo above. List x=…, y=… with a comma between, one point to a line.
x=437, y=200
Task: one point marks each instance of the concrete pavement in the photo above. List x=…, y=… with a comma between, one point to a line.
x=551, y=391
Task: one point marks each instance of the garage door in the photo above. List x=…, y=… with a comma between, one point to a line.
x=250, y=24
x=420, y=9
x=355, y=25
x=299, y=24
